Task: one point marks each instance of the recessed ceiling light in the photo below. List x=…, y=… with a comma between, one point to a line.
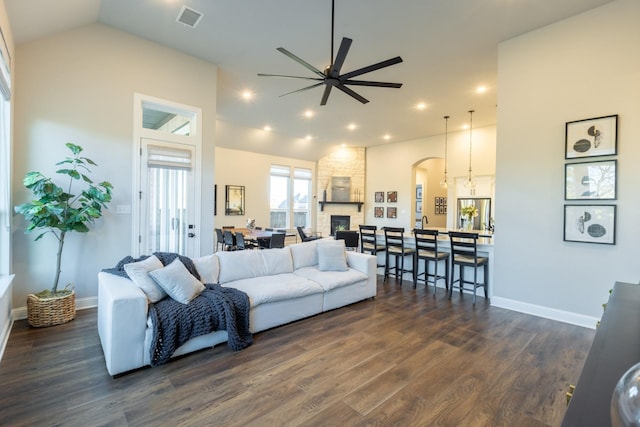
x=465, y=127
x=421, y=106
x=247, y=95
x=352, y=126
x=308, y=114
x=481, y=89
x=267, y=128
x=386, y=137
x=308, y=137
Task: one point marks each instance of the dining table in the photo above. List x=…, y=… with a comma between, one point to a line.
x=263, y=236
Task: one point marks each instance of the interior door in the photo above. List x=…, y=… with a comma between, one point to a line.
x=167, y=197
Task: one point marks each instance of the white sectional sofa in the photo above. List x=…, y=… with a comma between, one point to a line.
x=283, y=285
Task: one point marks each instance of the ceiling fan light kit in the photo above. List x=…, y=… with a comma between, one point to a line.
x=331, y=76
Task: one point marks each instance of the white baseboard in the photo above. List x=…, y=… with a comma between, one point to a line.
x=81, y=304
x=546, y=312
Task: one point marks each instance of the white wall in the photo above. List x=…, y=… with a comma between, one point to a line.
x=586, y=66
x=235, y=167
x=78, y=86
x=390, y=168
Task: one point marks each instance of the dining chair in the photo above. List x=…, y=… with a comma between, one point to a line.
x=427, y=251
x=394, y=247
x=219, y=239
x=229, y=241
x=464, y=254
x=306, y=237
x=277, y=240
x=242, y=244
x=350, y=237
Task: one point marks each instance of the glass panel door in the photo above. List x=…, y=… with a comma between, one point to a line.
x=167, y=197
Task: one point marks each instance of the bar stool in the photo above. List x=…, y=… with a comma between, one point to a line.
x=394, y=242
x=464, y=253
x=368, y=242
x=427, y=251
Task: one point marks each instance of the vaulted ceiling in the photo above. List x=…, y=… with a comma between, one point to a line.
x=449, y=49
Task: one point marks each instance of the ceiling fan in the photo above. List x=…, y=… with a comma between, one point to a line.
x=331, y=76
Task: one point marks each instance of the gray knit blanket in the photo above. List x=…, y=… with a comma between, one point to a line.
x=216, y=308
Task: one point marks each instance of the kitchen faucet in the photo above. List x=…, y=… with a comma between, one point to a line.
x=424, y=221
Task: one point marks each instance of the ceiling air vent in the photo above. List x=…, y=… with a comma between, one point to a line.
x=189, y=17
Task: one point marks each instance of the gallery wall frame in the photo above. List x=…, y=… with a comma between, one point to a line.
x=379, y=197
x=590, y=180
x=591, y=137
x=378, y=212
x=392, y=196
x=590, y=224
x=392, y=213
x=234, y=200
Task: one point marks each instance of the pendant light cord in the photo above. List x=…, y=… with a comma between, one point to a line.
x=470, y=139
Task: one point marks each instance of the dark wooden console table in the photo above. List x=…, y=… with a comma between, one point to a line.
x=615, y=348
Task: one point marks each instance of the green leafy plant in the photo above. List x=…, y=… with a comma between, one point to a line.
x=58, y=211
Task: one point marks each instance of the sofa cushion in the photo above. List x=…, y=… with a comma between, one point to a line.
x=208, y=268
x=332, y=279
x=278, y=287
x=277, y=261
x=304, y=254
x=237, y=265
x=138, y=272
x=177, y=282
x=331, y=256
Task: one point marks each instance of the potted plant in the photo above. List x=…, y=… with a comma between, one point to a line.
x=57, y=211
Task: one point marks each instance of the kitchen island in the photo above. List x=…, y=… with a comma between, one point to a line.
x=485, y=248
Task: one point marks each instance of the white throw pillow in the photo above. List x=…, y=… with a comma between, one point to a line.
x=332, y=256
x=208, y=268
x=304, y=254
x=138, y=272
x=176, y=281
x=277, y=261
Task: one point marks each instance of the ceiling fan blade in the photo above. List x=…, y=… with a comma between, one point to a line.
x=352, y=93
x=301, y=62
x=371, y=68
x=302, y=90
x=290, y=77
x=340, y=57
x=325, y=95
x=368, y=83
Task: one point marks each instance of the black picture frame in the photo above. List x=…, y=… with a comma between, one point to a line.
x=590, y=224
x=234, y=200
x=379, y=197
x=392, y=196
x=392, y=213
x=215, y=199
x=591, y=137
x=591, y=180
x=378, y=212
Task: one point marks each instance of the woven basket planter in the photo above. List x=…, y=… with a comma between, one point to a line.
x=43, y=312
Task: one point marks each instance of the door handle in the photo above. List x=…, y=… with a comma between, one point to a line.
x=191, y=235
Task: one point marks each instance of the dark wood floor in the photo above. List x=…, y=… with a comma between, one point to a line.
x=404, y=358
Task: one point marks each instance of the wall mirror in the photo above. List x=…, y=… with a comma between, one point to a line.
x=234, y=200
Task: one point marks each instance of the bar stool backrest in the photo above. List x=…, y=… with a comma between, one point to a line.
x=426, y=240
x=368, y=237
x=464, y=245
x=394, y=239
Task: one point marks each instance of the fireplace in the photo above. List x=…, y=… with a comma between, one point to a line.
x=342, y=222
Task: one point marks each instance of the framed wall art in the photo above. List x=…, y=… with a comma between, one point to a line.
x=378, y=212
x=590, y=224
x=392, y=212
x=591, y=137
x=379, y=196
x=392, y=196
x=234, y=200
x=590, y=180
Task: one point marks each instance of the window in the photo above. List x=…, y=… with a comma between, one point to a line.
x=288, y=201
x=279, y=197
x=301, y=197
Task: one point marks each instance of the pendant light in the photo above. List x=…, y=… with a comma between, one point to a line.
x=444, y=182
x=470, y=182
